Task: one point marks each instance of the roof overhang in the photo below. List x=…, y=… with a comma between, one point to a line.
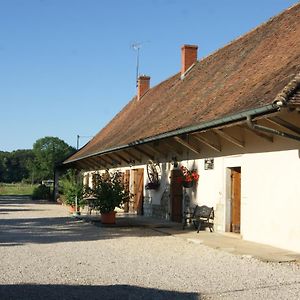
x=218, y=123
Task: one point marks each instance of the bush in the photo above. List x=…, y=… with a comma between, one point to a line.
x=72, y=187
x=41, y=192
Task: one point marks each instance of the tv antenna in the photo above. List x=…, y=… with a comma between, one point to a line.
x=136, y=47
x=82, y=136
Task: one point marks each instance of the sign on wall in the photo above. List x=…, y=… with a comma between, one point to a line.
x=208, y=164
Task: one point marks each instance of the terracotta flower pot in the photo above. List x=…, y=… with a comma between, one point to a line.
x=72, y=209
x=187, y=184
x=108, y=218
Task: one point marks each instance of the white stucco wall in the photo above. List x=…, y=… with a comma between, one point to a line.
x=271, y=198
x=270, y=189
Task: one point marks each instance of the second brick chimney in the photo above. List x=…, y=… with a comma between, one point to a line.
x=143, y=86
x=188, y=57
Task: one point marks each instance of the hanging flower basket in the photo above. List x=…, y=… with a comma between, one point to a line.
x=152, y=185
x=187, y=184
x=188, y=178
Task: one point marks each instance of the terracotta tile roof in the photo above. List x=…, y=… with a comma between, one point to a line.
x=248, y=73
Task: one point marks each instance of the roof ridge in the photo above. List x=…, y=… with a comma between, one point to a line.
x=288, y=90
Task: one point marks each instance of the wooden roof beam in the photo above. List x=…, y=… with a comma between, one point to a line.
x=102, y=162
x=186, y=144
x=98, y=161
x=229, y=138
x=121, y=157
x=135, y=157
x=146, y=153
x=264, y=136
x=79, y=165
x=206, y=142
x=107, y=162
x=284, y=124
x=158, y=149
x=112, y=158
x=173, y=148
x=87, y=164
x=151, y=148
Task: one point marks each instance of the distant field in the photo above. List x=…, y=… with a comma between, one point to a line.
x=16, y=189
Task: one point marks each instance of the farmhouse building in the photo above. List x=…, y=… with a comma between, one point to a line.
x=233, y=116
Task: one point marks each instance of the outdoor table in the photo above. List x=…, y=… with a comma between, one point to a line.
x=91, y=203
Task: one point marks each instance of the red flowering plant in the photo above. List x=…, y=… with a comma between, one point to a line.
x=187, y=175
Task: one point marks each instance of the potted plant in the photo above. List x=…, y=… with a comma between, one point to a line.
x=109, y=192
x=72, y=190
x=188, y=177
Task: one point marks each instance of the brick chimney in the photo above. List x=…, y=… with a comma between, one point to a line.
x=188, y=57
x=143, y=86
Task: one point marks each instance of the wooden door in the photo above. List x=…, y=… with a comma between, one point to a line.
x=138, y=190
x=235, y=200
x=176, y=196
x=126, y=181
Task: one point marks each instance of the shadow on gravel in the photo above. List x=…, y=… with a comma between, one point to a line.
x=63, y=229
x=124, y=292
x=13, y=200
x=6, y=210
x=47, y=230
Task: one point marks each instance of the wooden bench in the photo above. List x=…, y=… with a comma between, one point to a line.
x=201, y=217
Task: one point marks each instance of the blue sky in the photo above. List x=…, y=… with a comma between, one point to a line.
x=67, y=66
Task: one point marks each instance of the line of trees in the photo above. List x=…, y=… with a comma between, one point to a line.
x=36, y=164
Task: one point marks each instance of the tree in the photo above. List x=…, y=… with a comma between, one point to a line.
x=14, y=166
x=48, y=152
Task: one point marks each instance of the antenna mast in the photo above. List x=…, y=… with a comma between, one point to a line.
x=137, y=46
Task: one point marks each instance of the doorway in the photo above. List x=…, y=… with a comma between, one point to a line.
x=138, y=191
x=176, y=195
x=235, y=179
x=126, y=183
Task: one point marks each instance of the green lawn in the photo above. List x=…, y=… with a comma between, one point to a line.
x=16, y=189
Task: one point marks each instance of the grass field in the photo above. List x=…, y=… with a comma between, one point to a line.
x=16, y=189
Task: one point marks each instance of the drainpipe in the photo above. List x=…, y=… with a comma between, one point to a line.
x=265, y=129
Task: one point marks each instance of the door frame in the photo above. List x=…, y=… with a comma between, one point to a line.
x=137, y=177
x=233, y=210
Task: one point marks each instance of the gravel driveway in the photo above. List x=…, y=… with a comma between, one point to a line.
x=45, y=254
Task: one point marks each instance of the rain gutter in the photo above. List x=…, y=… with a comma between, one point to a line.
x=203, y=126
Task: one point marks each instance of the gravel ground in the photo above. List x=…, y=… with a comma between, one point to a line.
x=45, y=254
